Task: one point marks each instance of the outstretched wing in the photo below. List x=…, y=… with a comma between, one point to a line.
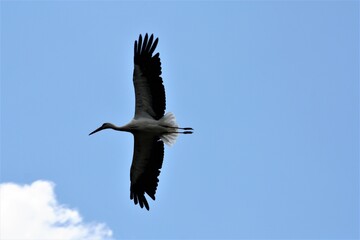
x=148, y=84
x=145, y=168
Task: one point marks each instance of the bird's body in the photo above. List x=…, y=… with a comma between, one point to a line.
x=166, y=127
x=147, y=125
x=150, y=127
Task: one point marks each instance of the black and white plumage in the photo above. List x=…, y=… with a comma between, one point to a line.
x=148, y=84
x=150, y=127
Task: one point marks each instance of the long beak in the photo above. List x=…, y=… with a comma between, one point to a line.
x=99, y=129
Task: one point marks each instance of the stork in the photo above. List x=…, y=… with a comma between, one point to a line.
x=150, y=127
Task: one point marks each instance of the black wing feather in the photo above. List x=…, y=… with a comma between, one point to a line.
x=150, y=67
x=152, y=49
x=145, y=169
x=149, y=44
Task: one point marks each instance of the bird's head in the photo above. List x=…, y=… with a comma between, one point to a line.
x=104, y=126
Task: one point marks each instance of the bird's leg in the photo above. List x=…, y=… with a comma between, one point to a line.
x=186, y=128
x=184, y=132
x=187, y=132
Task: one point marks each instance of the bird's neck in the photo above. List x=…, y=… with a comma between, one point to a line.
x=120, y=128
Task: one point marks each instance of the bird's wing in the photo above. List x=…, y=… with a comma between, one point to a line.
x=145, y=168
x=148, y=84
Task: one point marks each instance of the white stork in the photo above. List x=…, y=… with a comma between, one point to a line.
x=150, y=127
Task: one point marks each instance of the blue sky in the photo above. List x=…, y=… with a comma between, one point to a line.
x=270, y=87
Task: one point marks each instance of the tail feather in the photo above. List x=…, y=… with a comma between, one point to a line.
x=169, y=120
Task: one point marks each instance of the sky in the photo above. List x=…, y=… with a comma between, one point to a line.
x=270, y=87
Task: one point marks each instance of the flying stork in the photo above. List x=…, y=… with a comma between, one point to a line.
x=150, y=127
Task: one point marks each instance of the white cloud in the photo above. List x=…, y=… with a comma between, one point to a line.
x=32, y=212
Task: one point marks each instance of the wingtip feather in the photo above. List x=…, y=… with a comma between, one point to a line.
x=145, y=43
x=152, y=49
x=139, y=44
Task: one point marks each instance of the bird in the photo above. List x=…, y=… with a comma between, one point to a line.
x=150, y=126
